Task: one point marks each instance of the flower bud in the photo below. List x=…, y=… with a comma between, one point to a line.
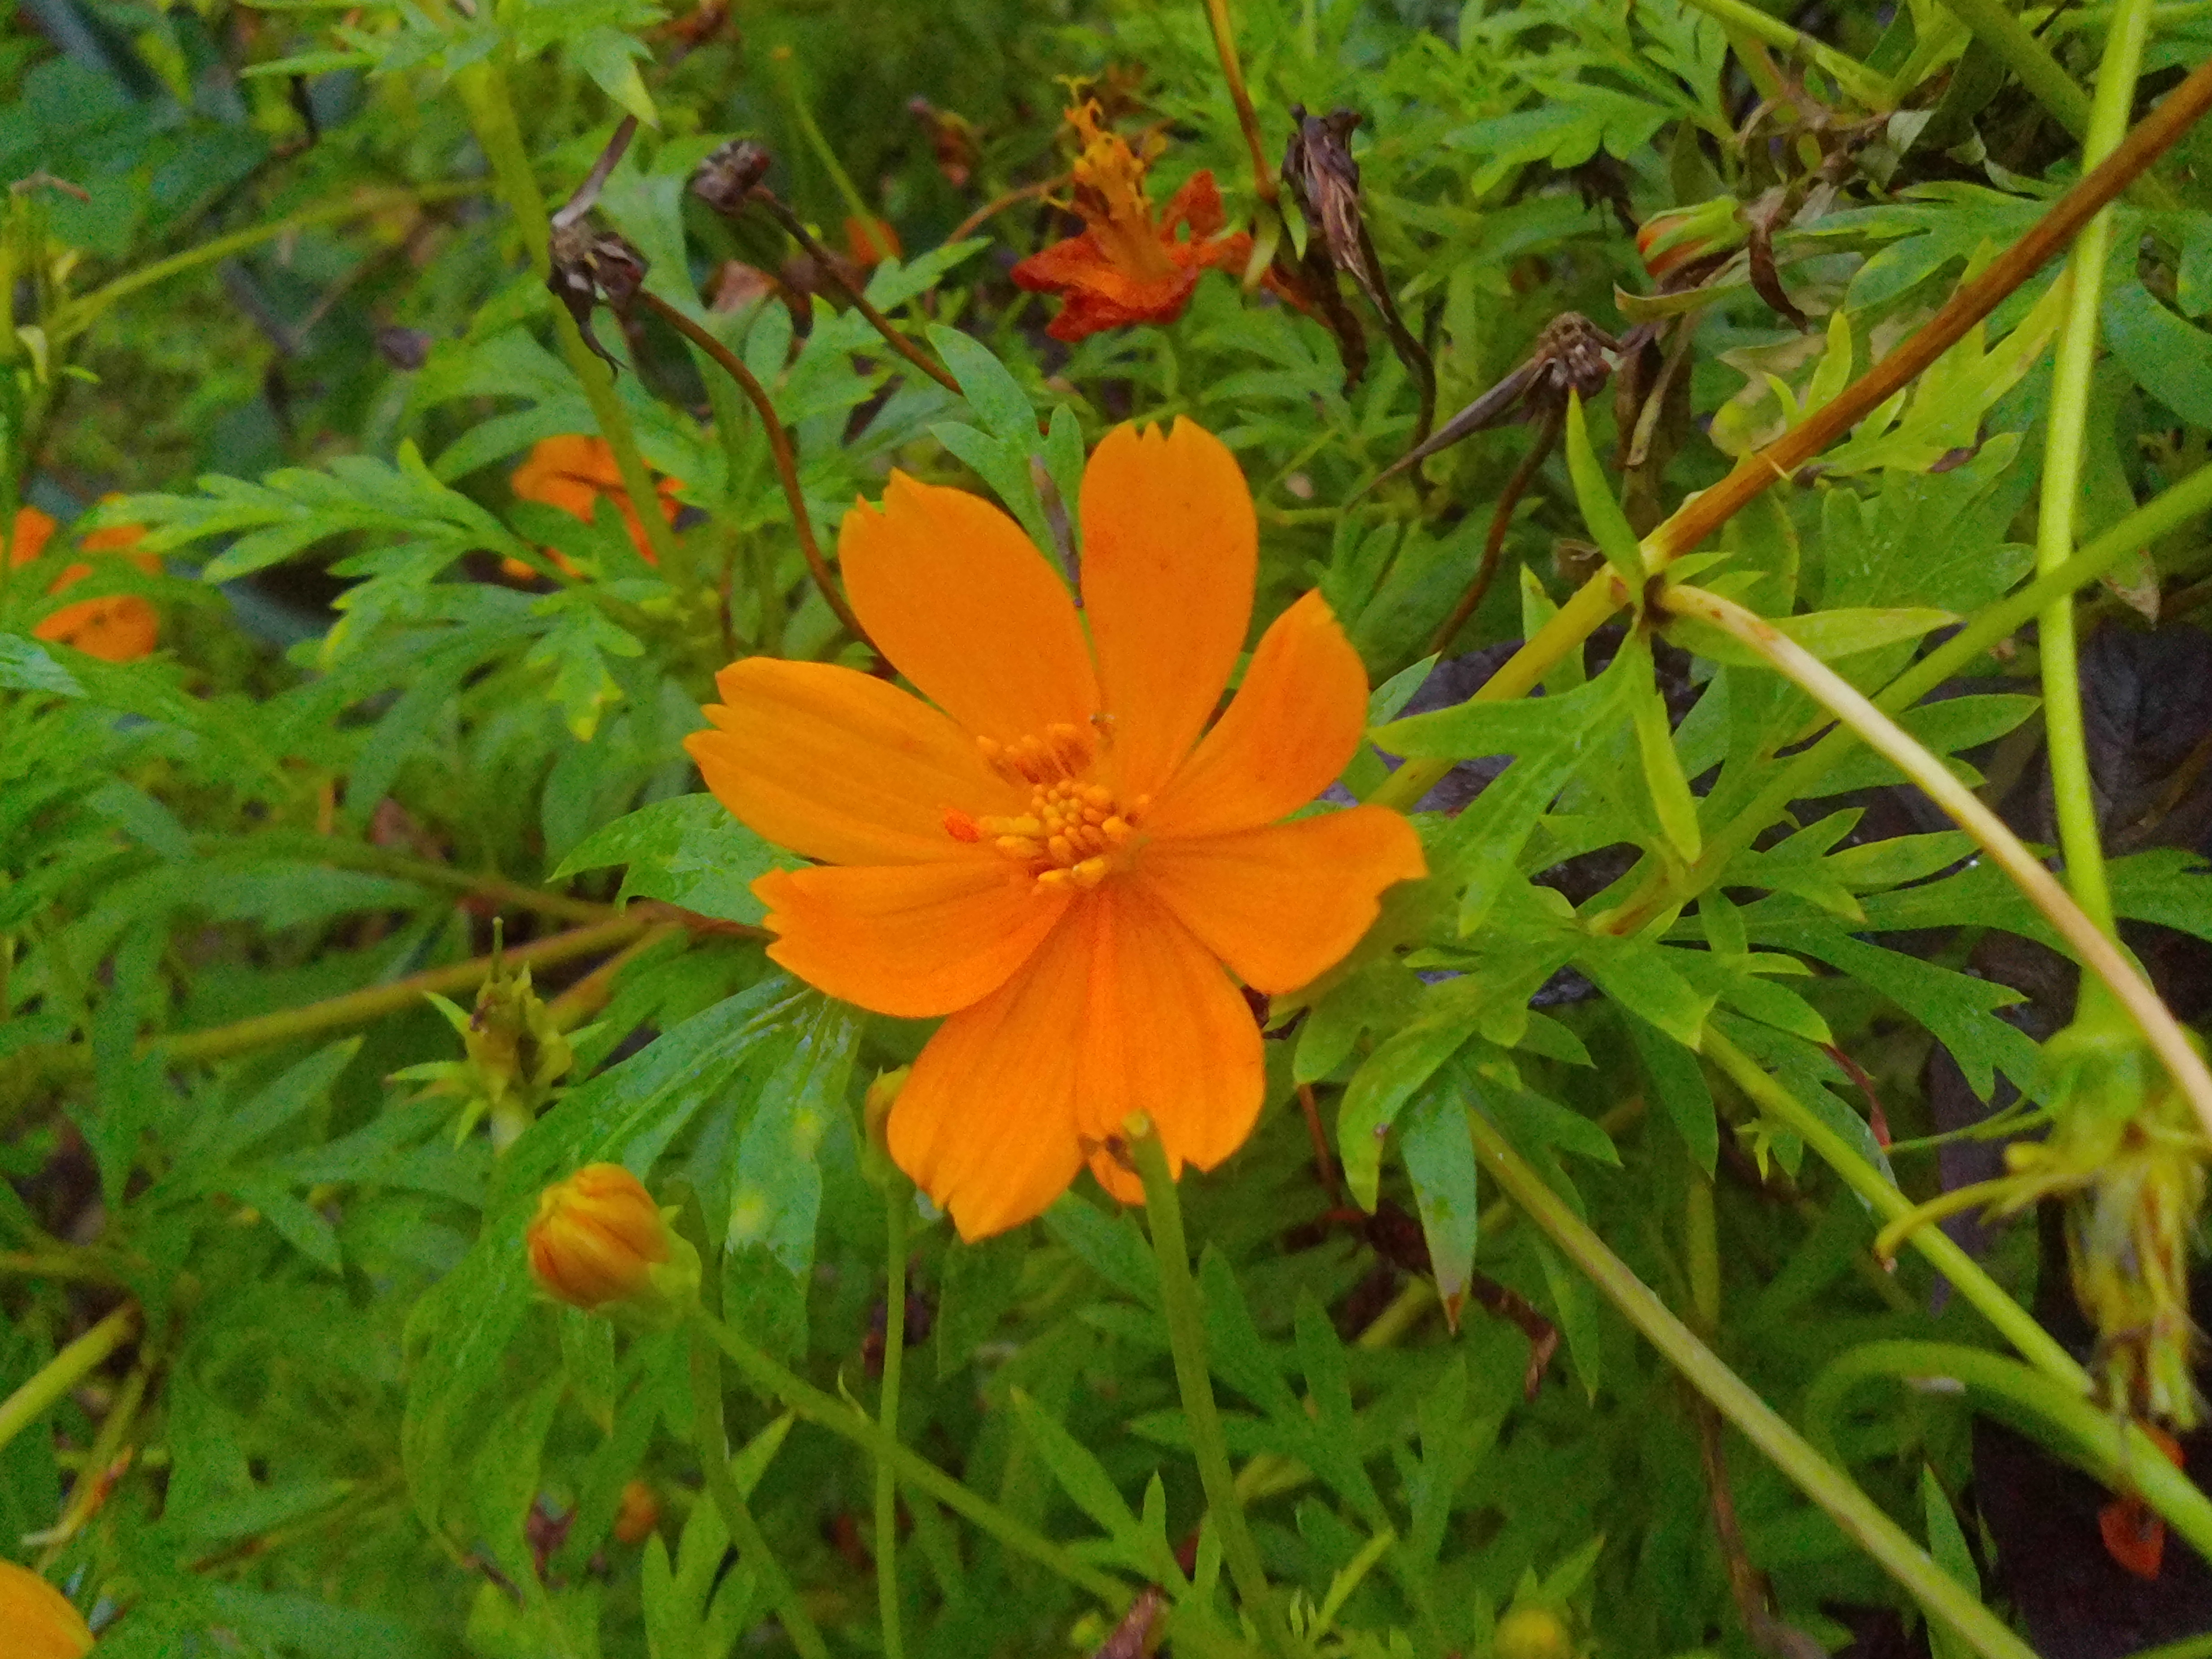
x=1680, y=234
x=876, y=1112
x=639, y=1515
x=598, y=1241
x=38, y=1619
x=1533, y=1633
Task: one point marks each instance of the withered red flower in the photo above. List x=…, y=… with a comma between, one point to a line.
x=1126, y=267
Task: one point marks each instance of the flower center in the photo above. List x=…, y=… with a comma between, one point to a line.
x=1109, y=194
x=1072, y=831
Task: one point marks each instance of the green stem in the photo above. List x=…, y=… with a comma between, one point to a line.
x=803, y=118
x=484, y=88
x=2011, y=1321
x=770, y=1378
x=1858, y=1516
x=1186, y=1325
x=2094, y=951
x=2116, y=1451
x=709, y=1435
x=44, y=1387
x=896, y=1200
x=1701, y=1248
x=80, y=313
x=1871, y=90
x=2079, y=836
x=361, y=855
x=1997, y=28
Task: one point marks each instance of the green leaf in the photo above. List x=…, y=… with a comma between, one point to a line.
x=27, y=666
x=995, y=395
x=2170, y=359
x=1947, y=1544
x=610, y=57
x=1439, y=1158
x=1679, y=1082
x=1643, y=977
x=1600, y=511
x=687, y=850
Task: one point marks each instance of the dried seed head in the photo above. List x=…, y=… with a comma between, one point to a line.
x=726, y=178
x=590, y=266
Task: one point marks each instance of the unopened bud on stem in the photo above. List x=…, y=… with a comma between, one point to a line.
x=599, y=1244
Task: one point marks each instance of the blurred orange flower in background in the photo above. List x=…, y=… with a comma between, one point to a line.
x=572, y=473
x=40, y=1620
x=1058, y=855
x=120, y=627
x=1124, y=267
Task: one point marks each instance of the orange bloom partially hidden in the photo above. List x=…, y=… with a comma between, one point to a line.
x=38, y=1619
x=572, y=473
x=1125, y=268
x=1058, y=856
x=596, y=1237
x=121, y=628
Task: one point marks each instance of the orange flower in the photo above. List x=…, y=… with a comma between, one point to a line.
x=572, y=473
x=1058, y=856
x=639, y=1513
x=40, y=1620
x=1124, y=268
x=121, y=628
x=869, y=242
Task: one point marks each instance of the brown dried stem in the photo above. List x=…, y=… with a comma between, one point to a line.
x=830, y=268
x=779, y=444
x=1264, y=184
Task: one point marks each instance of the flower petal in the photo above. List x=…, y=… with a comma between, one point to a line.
x=953, y=594
x=838, y=766
x=915, y=940
x=1167, y=1033
x=1296, y=720
x=1170, y=550
x=1198, y=205
x=986, y=1122
x=1283, y=903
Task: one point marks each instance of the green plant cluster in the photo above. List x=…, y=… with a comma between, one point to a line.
x=1541, y=1314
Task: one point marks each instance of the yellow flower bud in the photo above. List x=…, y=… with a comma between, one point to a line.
x=40, y=1621
x=875, y=1113
x=639, y=1515
x=1534, y=1634
x=597, y=1238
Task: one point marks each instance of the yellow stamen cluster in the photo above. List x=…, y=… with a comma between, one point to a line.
x=1109, y=194
x=1071, y=829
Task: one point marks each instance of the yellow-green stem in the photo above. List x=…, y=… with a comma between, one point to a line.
x=2117, y=1451
x=787, y=82
x=1265, y=184
x=895, y=1200
x=2094, y=951
x=779, y=1383
x=44, y=1387
x=484, y=88
x=2011, y=1321
x=1871, y=90
x=711, y=1438
x=1857, y=1514
x=2079, y=836
x=1186, y=1323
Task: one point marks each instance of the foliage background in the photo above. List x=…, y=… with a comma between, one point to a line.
x=346, y=1425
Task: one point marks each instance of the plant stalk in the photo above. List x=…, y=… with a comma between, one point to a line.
x=45, y=1387
x=779, y=1383
x=2010, y=1320
x=2079, y=833
x=712, y=1440
x=1265, y=184
x=2094, y=951
x=1186, y=1323
x=895, y=1200
x=1858, y=1516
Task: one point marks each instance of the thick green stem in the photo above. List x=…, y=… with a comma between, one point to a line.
x=2011, y=1321
x=1871, y=90
x=887, y=1416
x=2079, y=836
x=1186, y=1323
x=44, y=1387
x=821, y=1409
x=1996, y=27
x=2118, y=1452
x=710, y=1437
x=1858, y=1516
x=2093, y=950
x=484, y=89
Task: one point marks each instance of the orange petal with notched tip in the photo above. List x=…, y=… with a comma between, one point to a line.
x=954, y=593
x=1170, y=550
x=915, y=940
x=1282, y=903
x=985, y=1123
x=1168, y=1034
x=838, y=766
x=1294, y=723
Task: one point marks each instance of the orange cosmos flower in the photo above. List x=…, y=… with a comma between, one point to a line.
x=40, y=1622
x=572, y=473
x=121, y=628
x=1058, y=856
x=1124, y=268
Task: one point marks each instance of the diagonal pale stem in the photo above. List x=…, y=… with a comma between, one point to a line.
x=1860, y=1518
x=2093, y=949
